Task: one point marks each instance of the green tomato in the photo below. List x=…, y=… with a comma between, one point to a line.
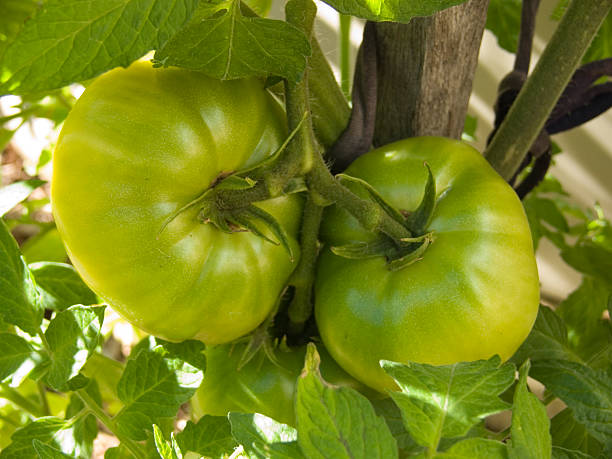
x=474, y=293
x=142, y=143
x=260, y=386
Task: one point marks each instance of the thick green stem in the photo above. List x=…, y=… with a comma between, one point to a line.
x=543, y=88
x=105, y=419
x=328, y=106
x=345, y=51
x=369, y=214
x=42, y=393
x=303, y=276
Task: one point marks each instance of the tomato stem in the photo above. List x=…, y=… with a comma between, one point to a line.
x=302, y=279
x=108, y=422
x=551, y=75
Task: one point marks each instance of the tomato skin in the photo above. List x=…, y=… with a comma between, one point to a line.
x=139, y=145
x=260, y=386
x=475, y=292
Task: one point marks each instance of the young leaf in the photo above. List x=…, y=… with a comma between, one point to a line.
x=21, y=303
x=167, y=450
x=568, y=434
x=475, y=448
x=338, y=422
x=72, y=336
x=563, y=453
x=153, y=386
x=229, y=46
x=210, y=437
x=13, y=194
x=74, y=40
x=61, y=286
x=446, y=401
x=547, y=340
x=504, y=20
x=264, y=438
x=50, y=431
x=15, y=356
x=586, y=391
x=391, y=10
x=530, y=423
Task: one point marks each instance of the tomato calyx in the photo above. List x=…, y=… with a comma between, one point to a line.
x=399, y=253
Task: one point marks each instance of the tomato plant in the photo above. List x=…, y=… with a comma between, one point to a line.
x=140, y=144
x=215, y=184
x=453, y=304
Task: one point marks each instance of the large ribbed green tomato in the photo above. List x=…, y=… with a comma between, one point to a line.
x=474, y=293
x=261, y=386
x=140, y=144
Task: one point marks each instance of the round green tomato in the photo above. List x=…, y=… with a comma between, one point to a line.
x=474, y=293
x=261, y=386
x=142, y=143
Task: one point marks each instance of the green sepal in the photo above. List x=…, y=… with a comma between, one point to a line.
x=418, y=221
x=235, y=182
x=375, y=195
x=381, y=247
x=276, y=228
x=413, y=256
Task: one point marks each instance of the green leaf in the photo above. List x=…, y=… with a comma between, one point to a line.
x=504, y=20
x=563, y=453
x=15, y=356
x=391, y=10
x=601, y=47
x=476, y=448
x=338, y=422
x=72, y=335
x=21, y=303
x=393, y=417
x=586, y=391
x=583, y=313
x=567, y=433
x=530, y=423
x=74, y=40
x=210, y=437
x=14, y=15
x=153, y=387
x=264, y=438
x=13, y=194
x=228, y=45
x=190, y=351
x=447, y=400
x=54, y=432
x=260, y=7
x=469, y=128
x=46, y=451
x=47, y=245
x=591, y=259
x=547, y=340
x=61, y=286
